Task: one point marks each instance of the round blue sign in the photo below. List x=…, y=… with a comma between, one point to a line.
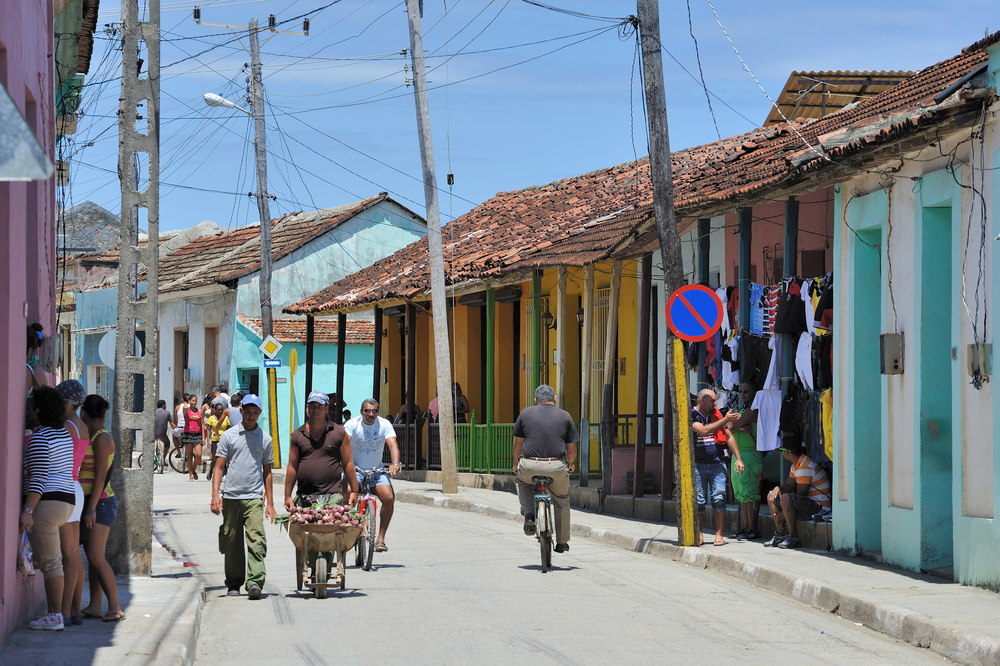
x=694, y=312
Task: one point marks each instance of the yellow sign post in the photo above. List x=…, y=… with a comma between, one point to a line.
x=686, y=511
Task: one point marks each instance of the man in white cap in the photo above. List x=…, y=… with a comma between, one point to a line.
x=319, y=457
x=244, y=456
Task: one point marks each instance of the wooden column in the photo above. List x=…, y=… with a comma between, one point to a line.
x=746, y=217
x=411, y=362
x=377, y=361
x=645, y=287
x=704, y=250
x=491, y=323
x=310, y=348
x=536, y=334
x=610, y=367
x=586, y=358
x=562, y=331
x=786, y=362
x=341, y=360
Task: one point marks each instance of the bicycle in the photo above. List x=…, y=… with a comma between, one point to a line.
x=544, y=526
x=159, y=457
x=367, y=505
x=176, y=459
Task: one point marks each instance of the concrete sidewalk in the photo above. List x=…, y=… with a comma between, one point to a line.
x=163, y=614
x=959, y=622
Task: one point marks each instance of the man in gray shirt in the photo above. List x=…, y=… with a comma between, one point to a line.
x=545, y=440
x=243, y=468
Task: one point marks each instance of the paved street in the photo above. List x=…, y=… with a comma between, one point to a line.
x=458, y=586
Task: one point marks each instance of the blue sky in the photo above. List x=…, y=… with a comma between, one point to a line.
x=520, y=95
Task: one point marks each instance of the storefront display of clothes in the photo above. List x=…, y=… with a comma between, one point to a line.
x=795, y=311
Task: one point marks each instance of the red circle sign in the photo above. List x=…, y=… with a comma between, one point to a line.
x=694, y=312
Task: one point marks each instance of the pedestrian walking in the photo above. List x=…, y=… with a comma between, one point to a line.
x=99, y=512
x=192, y=436
x=245, y=457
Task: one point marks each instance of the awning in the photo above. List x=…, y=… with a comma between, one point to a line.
x=21, y=158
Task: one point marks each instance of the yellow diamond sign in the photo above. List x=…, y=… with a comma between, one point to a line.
x=270, y=347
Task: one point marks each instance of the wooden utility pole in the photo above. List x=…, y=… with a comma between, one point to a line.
x=264, y=208
x=608, y=423
x=435, y=251
x=670, y=249
x=129, y=549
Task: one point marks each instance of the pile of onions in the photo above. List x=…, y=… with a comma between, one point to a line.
x=323, y=514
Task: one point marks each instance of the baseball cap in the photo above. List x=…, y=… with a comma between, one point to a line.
x=251, y=399
x=318, y=396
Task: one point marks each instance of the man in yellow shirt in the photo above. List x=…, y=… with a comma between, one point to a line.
x=216, y=424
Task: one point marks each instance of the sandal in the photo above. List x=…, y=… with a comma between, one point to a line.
x=114, y=617
x=380, y=547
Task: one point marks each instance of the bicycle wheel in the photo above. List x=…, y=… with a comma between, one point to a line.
x=159, y=455
x=544, y=532
x=368, y=534
x=176, y=460
x=319, y=576
x=139, y=461
x=359, y=559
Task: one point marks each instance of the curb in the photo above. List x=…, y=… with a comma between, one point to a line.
x=178, y=644
x=917, y=629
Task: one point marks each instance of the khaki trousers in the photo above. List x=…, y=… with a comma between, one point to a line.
x=558, y=470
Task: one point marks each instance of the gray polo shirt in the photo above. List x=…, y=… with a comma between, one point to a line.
x=245, y=451
x=546, y=430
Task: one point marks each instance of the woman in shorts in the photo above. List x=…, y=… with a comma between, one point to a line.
x=192, y=436
x=100, y=510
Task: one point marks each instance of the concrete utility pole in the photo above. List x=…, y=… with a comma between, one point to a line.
x=439, y=310
x=263, y=205
x=131, y=536
x=670, y=252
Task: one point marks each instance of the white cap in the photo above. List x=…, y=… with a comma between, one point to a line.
x=318, y=396
x=251, y=399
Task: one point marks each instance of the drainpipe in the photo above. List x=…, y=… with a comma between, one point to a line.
x=490, y=353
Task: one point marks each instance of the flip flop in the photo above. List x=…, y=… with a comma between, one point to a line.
x=722, y=543
x=380, y=547
x=113, y=617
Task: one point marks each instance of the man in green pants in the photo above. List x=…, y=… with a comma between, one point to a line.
x=243, y=469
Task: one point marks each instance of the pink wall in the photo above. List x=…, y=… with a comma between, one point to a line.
x=768, y=235
x=27, y=274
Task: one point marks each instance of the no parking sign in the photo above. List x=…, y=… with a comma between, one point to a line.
x=694, y=312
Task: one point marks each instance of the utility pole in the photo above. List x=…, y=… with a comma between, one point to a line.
x=263, y=199
x=129, y=544
x=439, y=310
x=670, y=253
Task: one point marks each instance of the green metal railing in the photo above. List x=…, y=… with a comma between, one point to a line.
x=485, y=448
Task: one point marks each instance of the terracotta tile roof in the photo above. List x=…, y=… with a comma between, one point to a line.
x=588, y=218
x=293, y=329
x=220, y=258
x=504, y=234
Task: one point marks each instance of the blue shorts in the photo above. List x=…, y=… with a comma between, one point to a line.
x=107, y=510
x=376, y=479
x=710, y=485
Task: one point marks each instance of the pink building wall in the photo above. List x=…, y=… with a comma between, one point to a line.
x=27, y=274
x=768, y=235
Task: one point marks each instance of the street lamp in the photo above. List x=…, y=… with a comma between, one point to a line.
x=218, y=100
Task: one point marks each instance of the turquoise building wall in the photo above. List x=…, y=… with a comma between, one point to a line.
x=359, y=363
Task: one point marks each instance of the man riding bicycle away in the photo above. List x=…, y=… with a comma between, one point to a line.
x=319, y=457
x=163, y=422
x=545, y=440
x=369, y=435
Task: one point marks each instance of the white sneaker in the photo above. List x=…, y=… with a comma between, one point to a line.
x=50, y=622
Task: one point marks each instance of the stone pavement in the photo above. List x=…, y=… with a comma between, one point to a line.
x=164, y=611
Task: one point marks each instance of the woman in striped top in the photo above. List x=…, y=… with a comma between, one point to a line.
x=48, y=498
x=100, y=510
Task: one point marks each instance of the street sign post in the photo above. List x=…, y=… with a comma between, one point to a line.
x=694, y=313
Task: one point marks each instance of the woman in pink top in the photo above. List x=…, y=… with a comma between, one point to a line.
x=69, y=534
x=192, y=436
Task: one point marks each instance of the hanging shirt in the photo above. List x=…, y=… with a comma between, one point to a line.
x=803, y=360
x=826, y=399
x=768, y=406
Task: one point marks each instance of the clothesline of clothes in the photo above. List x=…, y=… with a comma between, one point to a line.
x=797, y=312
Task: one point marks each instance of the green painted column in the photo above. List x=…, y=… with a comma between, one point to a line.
x=536, y=334
x=491, y=306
